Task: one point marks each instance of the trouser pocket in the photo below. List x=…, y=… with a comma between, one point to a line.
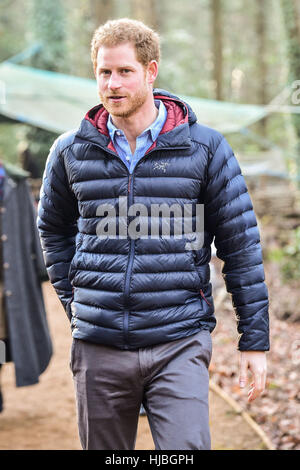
x=71, y=360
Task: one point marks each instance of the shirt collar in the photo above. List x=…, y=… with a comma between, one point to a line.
x=154, y=128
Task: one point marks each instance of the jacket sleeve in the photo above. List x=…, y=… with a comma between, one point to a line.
x=57, y=224
x=230, y=218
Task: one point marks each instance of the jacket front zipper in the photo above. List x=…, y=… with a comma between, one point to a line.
x=129, y=269
x=132, y=241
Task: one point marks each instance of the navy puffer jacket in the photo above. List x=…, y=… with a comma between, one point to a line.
x=132, y=293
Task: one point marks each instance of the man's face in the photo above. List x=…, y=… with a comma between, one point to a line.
x=122, y=82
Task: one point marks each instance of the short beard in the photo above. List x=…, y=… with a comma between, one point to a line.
x=135, y=104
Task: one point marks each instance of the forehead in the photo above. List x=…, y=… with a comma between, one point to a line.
x=114, y=56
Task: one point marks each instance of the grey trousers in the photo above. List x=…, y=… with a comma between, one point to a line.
x=170, y=379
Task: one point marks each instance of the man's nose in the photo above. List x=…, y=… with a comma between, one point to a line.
x=114, y=81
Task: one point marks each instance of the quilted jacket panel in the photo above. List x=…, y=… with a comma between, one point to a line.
x=133, y=293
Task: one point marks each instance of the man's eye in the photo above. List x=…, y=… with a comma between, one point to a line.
x=105, y=72
x=125, y=70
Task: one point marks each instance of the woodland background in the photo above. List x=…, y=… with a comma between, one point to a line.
x=240, y=51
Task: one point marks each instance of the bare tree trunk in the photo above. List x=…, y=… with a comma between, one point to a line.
x=47, y=20
x=217, y=33
x=297, y=14
x=102, y=10
x=145, y=10
x=291, y=14
x=261, y=72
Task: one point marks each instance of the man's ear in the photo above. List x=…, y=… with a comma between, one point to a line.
x=152, y=71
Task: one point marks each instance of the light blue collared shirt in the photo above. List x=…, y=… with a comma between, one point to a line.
x=143, y=141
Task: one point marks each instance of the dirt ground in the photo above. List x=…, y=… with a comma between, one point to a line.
x=43, y=416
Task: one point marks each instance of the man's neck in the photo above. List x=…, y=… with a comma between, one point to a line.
x=134, y=125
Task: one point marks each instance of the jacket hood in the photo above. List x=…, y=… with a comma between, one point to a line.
x=179, y=112
x=180, y=117
x=166, y=96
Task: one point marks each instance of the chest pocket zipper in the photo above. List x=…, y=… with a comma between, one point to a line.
x=195, y=269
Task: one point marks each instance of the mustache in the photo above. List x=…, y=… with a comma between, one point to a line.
x=115, y=95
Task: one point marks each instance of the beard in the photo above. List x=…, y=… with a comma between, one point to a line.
x=124, y=109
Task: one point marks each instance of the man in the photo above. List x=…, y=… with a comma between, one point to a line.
x=141, y=308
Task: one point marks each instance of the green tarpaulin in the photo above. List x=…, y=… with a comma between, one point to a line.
x=58, y=102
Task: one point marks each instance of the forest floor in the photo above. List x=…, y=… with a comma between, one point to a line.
x=277, y=410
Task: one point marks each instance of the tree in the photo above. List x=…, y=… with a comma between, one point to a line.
x=217, y=42
x=12, y=29
x=102, y=10
x=291, y=14
x=47, y=26
x=145, y=10
x=80, y=26
x=261, y=69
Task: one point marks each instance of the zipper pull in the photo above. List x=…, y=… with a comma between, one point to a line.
x=203, y=296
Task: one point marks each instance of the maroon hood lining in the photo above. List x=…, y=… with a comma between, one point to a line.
x=175, y=117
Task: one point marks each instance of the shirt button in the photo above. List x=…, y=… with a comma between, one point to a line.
x=2, y=210
x=8, y=293
x=4, y=237
x=6, y=265
x=127, y=158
